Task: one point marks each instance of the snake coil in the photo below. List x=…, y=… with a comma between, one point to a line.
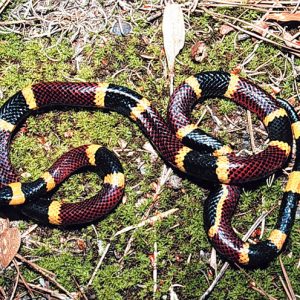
x=180, y=143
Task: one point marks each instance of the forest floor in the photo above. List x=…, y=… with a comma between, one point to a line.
x=165, y=254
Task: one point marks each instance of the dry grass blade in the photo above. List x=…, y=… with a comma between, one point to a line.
x=155, y=285
x=150, y=220
x=24, y=22
x=263, y=293
x=82, y=294
x=44, y=291
x=22, y=280
x=250, y=129
x=290, y=291
x=285, y=289
x=12, y=296
x=2, y=294
x=254, y=286
x=3, y=4
x=260, y=5
x=98, y=265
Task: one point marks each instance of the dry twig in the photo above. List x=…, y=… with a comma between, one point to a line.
x=289, y=289
x=3, y=4
x=22, y=279
x=44, y=291
x=281, y=41
x=264, y=5
x=43, y=273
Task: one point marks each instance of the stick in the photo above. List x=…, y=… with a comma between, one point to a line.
x=43, y=273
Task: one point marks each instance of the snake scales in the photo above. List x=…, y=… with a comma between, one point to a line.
x=181, y=145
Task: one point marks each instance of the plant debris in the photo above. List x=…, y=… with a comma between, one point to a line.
x=10, y=241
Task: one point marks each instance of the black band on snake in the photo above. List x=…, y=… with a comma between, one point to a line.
x=181, y=144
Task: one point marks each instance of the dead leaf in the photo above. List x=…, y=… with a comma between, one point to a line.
x=153, y=154
x=199, y=51
x=290, y=40
x=293, y=101
x=4, y=225
x=81, y=244
x=10, y=241
x=242, y=37
x=68, y=134
x=45, y=143
x=256, y=233
x=153, y=186
x=225, y=29
x=25, y=175
x=124, y=199
x=173, y=33
x=23, y=129
x=284, y=17
x=275, y=90
x=236, y=71
x=152, y=259
x=122, y=143
x=150, y=57
x=42, y=139
x=47, y=146
x=261, y=28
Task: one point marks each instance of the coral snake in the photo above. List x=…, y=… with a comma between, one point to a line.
x=181, y=144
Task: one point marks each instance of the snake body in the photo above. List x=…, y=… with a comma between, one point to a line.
x=181, y=144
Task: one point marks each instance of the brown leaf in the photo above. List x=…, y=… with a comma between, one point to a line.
x=256, y=233
x=152, y=259
x=225, y=29
x=198, y=51
x=81, y=244
x=24, y=129
x=42, y=139
x=236, y=70
x=284, y=17
x=292, y=101
x=173, y=32
x=275, y=90
x=10, y=241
